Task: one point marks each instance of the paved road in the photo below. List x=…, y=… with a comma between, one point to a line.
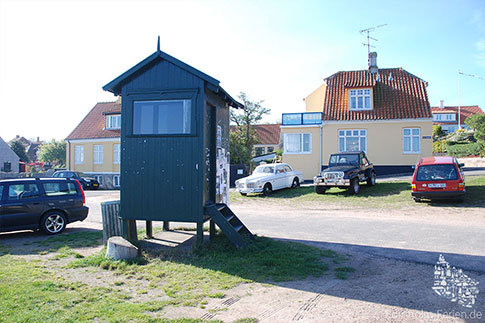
x=401, y=236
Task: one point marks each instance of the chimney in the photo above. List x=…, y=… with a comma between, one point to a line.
x=442, y=104
x=373, y=63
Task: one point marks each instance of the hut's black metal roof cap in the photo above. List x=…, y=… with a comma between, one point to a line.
x=212, y=84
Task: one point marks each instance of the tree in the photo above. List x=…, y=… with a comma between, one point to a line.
x=438, y=132
x=53, y=152
x=19, y=149
x=477, y=123
x=243, y=137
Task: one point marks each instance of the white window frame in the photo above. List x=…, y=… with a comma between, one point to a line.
x=444, y=117
x=364, y=93
x=98, y=154
x=112, y=121
x=344, y=133
x=116, y=180
x=116, y=153
x=411, y=136
x=79, y=154
x=302, y=146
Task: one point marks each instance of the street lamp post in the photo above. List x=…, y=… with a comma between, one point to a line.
x=459, y=106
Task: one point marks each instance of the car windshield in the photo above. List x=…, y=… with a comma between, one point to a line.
x=264, y=169
x=344, y=159
x=436, y=172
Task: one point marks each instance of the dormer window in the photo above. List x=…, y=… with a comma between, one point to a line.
x=450, y=117
x=112, y=121
x=360, y=99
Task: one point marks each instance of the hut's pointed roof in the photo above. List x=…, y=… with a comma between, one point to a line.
x=213, y=84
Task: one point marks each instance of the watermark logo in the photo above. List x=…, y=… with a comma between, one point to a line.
x=453, y=284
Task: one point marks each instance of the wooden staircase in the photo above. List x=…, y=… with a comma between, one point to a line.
x=229, y=223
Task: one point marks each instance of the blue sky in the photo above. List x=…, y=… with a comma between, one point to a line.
x=56, y=55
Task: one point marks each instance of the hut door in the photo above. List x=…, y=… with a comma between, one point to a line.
x=213, y=151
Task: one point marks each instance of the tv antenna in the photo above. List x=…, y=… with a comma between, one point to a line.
x=368, y=31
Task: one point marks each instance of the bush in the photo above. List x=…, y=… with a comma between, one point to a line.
x=439, y=146
x=438, y=132
x=464, y=149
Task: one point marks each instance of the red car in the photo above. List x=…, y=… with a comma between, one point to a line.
x=438, y=178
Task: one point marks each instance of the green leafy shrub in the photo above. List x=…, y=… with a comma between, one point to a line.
x=464, y=149
x=438, y=132
x=439, y=146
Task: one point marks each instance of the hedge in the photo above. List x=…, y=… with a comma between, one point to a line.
x=463, y=149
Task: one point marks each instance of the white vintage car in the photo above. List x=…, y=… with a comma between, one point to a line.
x=269, y=177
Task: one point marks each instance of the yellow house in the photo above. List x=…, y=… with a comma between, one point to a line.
x=94, y=146
x=384, y=112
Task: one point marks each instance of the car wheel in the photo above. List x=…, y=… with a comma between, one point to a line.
x=371, y=181
x=53, y=222
x=354, y=186
x=267, y=189
x=243, y=194
x=295, y=183
x=320, y=189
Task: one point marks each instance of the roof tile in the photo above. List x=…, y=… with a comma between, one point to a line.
x=397, y=94
x=92, y=126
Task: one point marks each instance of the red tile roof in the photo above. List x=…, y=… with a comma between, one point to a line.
x=92, y=126
x=397, y=94
x=268, y=134
x=465, y=112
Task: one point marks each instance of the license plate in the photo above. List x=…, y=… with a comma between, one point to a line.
x=95, y=184
x=437, y=185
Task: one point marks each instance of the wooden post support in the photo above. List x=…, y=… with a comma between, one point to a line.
x=200, y=233
x=166, y=226
x=129, y=231
x=212, y=230
x=149, y=230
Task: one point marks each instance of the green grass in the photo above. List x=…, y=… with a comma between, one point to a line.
x=32, y=292
x=342, y=272
x=73, y=240
x=396, y=194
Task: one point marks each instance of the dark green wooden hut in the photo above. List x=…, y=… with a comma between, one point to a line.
x=174, y=146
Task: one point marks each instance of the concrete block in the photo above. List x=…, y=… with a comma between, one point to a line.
x=121, y=249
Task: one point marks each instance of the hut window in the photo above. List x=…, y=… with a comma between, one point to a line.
x=163, y=117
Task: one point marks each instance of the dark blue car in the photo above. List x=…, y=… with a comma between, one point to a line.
x=45, y=204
